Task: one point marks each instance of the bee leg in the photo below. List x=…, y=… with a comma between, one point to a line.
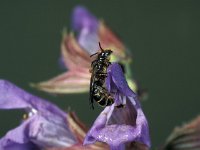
x=102, y=74
x=92, y=106
x=110, y=100
x=120, y=106
x=102, y=102
x=109, y=63
x=94, y=63
x=90, y=70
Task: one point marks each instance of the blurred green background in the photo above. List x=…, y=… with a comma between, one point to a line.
x=163, y=36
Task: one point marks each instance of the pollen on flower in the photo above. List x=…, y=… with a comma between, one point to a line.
x=25, y=116
x=32, y=112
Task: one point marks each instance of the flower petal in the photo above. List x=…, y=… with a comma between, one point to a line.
x=73, y=54
x=75, y=81
x=117, y=80
x=128, y=115
x=9, y=145
x=79, y=129
x=12, y=97
x=137, y=146
x=117, y=126
x=86, y=25
x=82, y=147
x=82, y=18
x=119, y=132
x=47, y=126
x=99, y=123
x=17, y=138
x=41, y=131
x=186, y=137
x=50, y=132
x=89, y=41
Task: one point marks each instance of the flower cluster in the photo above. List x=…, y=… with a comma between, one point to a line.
x=119, y=126
x=47, y=127
x=44, y=126
x=75, y=52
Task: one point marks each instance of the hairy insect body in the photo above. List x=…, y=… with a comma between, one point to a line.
x=98, y=92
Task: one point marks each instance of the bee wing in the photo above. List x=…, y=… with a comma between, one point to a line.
x=91, y=90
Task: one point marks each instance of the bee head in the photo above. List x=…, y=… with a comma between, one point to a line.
x=103, y=53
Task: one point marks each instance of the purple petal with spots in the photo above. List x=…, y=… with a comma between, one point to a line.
x=119, y=126
x=46, y=125
x=86, y=26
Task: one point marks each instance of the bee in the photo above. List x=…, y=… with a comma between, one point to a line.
x=99, y=66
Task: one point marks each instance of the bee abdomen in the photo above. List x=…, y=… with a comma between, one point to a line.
x=102, y=97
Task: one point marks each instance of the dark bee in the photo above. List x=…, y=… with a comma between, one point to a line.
x=99, y=66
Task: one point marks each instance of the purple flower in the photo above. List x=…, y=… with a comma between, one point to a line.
x=79, y=129
x=91, y=31
x=86, y=25
x=76, y=51
x=45, y=126
x=120, y=127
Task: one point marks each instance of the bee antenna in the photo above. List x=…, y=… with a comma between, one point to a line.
x=97, y=52
x=93, y=54
x=101, y=47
